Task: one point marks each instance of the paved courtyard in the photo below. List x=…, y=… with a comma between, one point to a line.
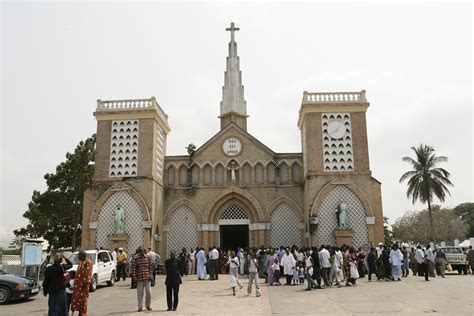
x=453, y=295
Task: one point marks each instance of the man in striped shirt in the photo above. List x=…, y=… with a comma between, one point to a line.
x=142, y=273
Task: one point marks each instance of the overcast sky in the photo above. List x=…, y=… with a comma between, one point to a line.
x=414, y=60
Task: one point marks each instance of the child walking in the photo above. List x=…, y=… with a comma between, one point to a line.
x=70, y=289
x=233, y=263
x=296, y=279
x=301, y=273
x=276, y=272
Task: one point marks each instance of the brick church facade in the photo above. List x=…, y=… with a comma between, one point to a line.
x=233, y=190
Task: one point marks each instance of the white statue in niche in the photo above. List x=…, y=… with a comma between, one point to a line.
x=233, y=168
x=119, y=218
x=341, y=213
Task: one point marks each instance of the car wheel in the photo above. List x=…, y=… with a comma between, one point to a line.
x=112, y=279
x=93, y=285
x=5, y=295
x=464, y=270
x=459, y=271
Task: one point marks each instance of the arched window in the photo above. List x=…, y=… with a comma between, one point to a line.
x=283, y=174
x=171, y=175
x=259, y=173
x=271, y=173
x=220, y=175
x=183, y=175
x=207, y=174
x=247, y=174
x=195, y=175
x=296, y=173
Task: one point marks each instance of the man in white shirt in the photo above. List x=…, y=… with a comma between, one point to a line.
x=430, y=258
x=154, y=258
x=288, y=262
x=114, y=255
x=379, y=250
x=214, y=257
x=339, y=261
x=324, y=257
x=421, y=262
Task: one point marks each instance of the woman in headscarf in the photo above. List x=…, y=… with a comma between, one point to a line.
x=82, y=281
x=271, y=259
x=54, y=285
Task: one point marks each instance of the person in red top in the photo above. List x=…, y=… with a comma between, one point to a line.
x=82, y=280
x=142, y=273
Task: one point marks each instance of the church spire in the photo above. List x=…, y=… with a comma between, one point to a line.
x=233, y=104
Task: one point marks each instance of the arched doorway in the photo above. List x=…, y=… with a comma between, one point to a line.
x=233, y=227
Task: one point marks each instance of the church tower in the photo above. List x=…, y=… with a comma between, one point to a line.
x=336, y=169
x=233, y=104
x=129, y=164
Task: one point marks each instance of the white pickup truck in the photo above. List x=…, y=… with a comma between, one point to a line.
x=104, y=267
x=456, y=257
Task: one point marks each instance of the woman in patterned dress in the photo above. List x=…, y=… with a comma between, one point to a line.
x=271, y=259
x=82, y=281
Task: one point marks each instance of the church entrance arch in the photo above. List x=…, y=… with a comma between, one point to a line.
x=233, y=227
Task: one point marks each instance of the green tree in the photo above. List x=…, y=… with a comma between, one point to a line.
x=466, y=212
x=56, y=214
x=447, y=225
x=388, y=235
x=191, y=149
x=426, y=181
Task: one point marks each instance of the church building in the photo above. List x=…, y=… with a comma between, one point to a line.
x=233, y=190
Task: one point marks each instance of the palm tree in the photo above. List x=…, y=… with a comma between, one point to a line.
x=426, y=181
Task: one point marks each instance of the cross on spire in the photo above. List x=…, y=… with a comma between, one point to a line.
x=232, y=29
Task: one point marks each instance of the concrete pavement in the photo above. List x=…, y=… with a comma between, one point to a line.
x=453, y=295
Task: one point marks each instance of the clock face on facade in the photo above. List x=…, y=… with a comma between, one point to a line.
x=232, y=146
x=336, y=129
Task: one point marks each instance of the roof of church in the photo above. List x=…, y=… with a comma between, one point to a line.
x=243, y=133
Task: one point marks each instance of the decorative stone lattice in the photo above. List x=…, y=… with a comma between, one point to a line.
x=182, y=229
x=234, y=211
x=337, y=153
x=133, y=221
x=284, y=230
x=124, y=149
x=160, y=150
x=356, y=216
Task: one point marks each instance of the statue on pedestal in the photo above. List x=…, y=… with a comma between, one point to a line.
x=341, y=213
x=119, y=218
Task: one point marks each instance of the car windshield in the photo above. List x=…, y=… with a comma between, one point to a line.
x=452, y=250
x=75, y=260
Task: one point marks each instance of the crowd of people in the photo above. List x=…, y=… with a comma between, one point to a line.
x=319, y=267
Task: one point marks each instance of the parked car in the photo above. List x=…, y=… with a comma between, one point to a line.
x=104, y=267
x=13, y=287
x=456, y=257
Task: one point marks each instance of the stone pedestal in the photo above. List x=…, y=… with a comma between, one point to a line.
x=343, y=236
x=117, y=241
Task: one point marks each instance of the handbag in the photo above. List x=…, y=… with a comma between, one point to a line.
x=449, y=267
